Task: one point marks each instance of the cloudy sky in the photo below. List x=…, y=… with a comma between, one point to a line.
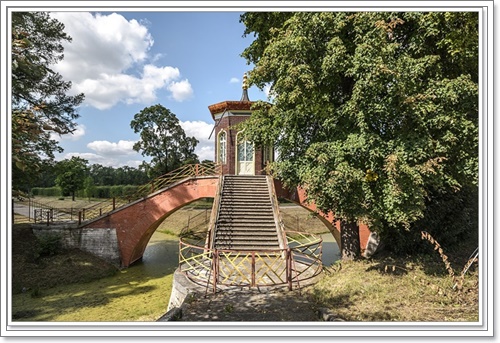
x=126, y=61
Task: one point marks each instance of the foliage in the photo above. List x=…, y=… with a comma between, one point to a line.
x=373, y=113
x=71, y=175
x=46, y=191
x=49, y=244
x=115, y=191
x=109, y=176
x=163, y=139
x=89, y=187
x=40, y=104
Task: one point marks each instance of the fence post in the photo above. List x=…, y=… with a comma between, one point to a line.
x=289, y=268
x=48, y=217
x=79, y=217
x=114, y=203
x=196, y=170
x=29, y=209
x=83, y=214
x=215, y=268
x=253, y=268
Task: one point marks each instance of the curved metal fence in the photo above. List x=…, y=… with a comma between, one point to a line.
x=299, y=262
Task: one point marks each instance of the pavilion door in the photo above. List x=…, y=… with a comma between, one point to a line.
x=245, y=158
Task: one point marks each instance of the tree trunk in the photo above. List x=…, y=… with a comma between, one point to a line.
x=349, y=240
x=73, y=195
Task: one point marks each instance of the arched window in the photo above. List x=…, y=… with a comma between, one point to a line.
x=222, y=147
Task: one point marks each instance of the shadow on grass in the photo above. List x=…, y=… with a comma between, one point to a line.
x=76, y=287
x=347, y=308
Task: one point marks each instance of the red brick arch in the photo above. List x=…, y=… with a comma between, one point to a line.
x=136, y=222
x=298, y=196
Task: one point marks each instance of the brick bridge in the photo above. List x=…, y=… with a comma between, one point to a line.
x=136, y=222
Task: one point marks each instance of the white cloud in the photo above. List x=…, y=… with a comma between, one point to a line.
x=101, y=59
x=92, y=158
x=234, y=80
x=201, y=131
x=103, y=160
x=205, y=153
x=132, y=163
x=181, y=90
x=108, y=149
x=76, y=135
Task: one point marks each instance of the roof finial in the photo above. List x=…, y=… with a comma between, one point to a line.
x=244, y=96
x=245, y=81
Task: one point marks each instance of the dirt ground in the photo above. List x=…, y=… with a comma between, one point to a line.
x=245, y=305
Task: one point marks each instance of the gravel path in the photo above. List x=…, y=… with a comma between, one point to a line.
x=251, y=305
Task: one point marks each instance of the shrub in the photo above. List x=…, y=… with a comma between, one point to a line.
x=46, y=191
x=49, y=244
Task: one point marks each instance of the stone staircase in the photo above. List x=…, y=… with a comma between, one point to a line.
x=246, y=219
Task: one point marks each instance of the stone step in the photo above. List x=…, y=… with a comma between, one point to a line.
x=235, y=199
x=246, y=192
x=246, y=218
x=252, y=212
x=225, y=216
x=239, y=199
x=246, y=224
x=257, y=230
x=246, y=195
x=266, y=221
x=247, y=238
x=241, y=206
x=241, y=177
x=245, y=247
x=245, y=184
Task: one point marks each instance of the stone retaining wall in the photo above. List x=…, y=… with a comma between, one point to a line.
x=102, y=242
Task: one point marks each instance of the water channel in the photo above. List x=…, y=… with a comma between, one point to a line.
x=138, y=293
x=162, y=253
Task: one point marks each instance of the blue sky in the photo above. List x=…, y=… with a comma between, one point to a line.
x=126, y=61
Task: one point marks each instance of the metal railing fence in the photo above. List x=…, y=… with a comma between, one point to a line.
x=51, y=215
x=302, y=260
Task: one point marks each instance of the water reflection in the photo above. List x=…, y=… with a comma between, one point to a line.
x=331, y=251
x=161, y=256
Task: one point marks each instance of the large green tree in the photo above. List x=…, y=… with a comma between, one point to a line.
x=71, y=175
x=40, y=103
x=163, y=139
x=374, y=114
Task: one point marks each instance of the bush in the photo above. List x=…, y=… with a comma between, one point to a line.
x=449, y=217
x=49, y=244
x=46, y=191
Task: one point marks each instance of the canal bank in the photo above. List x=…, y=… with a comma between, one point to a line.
x=138, y=293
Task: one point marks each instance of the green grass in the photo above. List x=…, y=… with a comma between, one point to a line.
x=75, y=286
x=403, y=290
x=410, y=289
x=126, y=297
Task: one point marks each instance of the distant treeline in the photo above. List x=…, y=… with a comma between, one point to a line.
x=95, y=192
x=106, y=182
x=101, y=176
